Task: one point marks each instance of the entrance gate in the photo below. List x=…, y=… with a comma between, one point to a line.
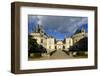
x=59, y=45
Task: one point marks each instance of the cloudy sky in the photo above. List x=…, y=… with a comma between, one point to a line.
x=58, y=26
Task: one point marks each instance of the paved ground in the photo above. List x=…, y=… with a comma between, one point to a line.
x=60, y=55
x=56, y=55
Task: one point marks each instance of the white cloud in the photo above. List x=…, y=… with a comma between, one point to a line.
x=60, y=23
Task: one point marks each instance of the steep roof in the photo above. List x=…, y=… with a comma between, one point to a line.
x=78, y=31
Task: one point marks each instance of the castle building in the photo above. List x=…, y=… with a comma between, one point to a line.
x=51, y=44
x=47, y=42
x=68, y=43
x=59, y=45
x=78, y=35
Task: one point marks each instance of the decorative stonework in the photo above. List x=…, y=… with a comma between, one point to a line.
x=51, y=44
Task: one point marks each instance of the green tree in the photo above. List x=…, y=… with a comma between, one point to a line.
x=34, y=47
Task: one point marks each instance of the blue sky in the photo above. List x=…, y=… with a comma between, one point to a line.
x=58, y=26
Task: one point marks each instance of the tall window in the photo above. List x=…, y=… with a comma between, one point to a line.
x=49, y=47
x=41, y=40
x=63, y=47
x=55, y=47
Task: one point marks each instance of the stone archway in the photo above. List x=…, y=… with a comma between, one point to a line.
x=59, y=45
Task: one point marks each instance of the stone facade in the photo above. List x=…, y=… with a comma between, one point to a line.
x=79, y=35
x=68, y=43
x=52, y=44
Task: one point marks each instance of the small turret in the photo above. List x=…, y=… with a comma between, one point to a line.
x=83, y=30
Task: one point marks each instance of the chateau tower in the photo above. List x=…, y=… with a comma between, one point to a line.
x=83, y=30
